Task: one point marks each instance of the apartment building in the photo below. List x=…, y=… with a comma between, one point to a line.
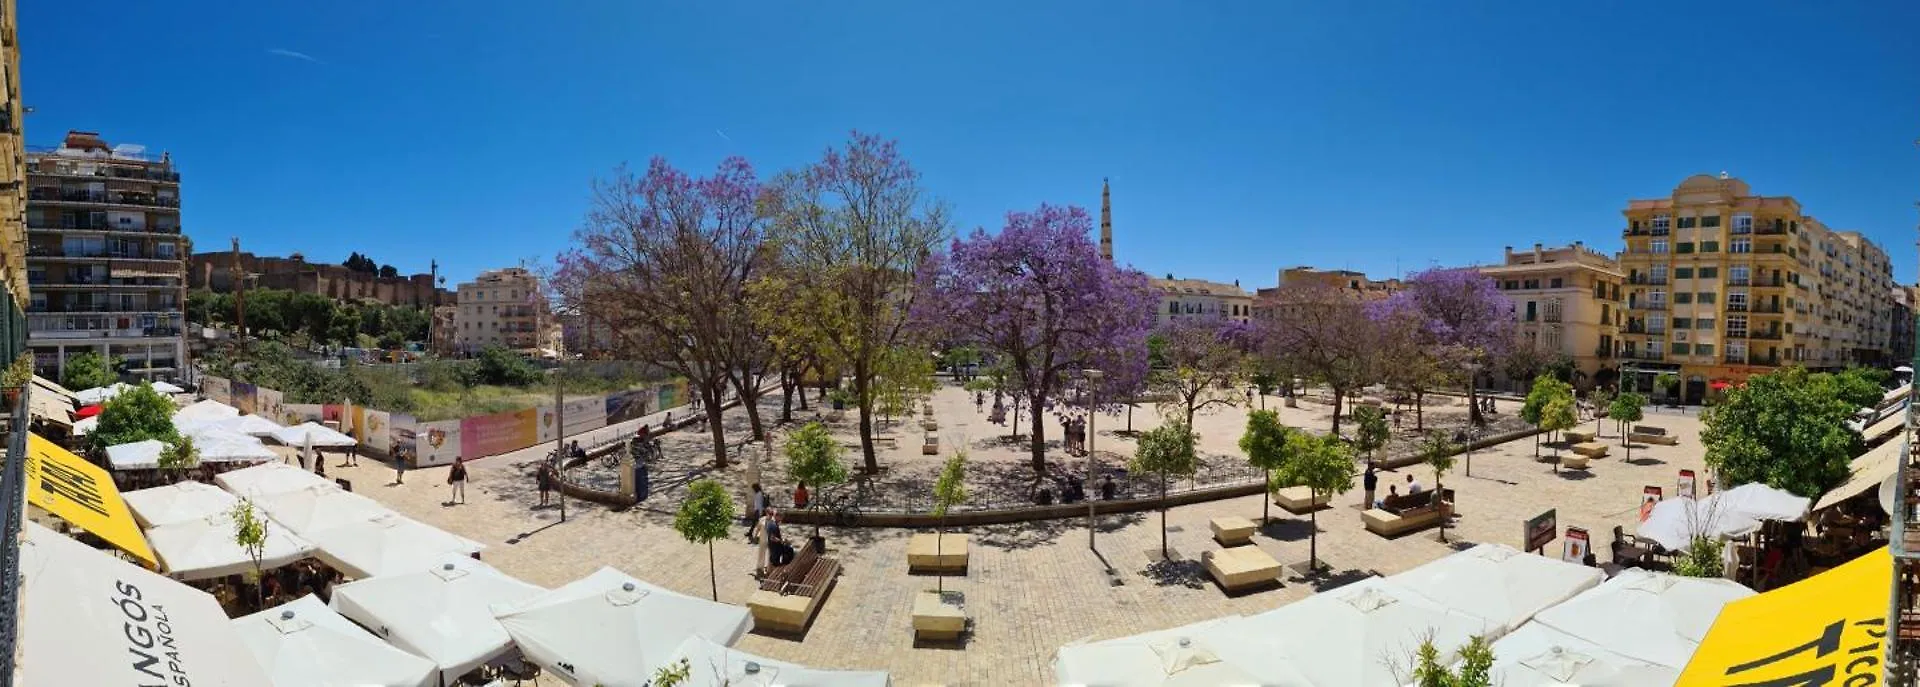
x=503, y=308
x=1566, y=302
x=105, y=256
x=1900, y=324
x=13, y=195
x=1724, y=284
x=1202, y=299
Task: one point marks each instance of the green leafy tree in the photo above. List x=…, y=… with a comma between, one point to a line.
x=675, y=674
x=88, y=371
x=1626, y=408
x=1668, y=383
x=1370, y=430
x=1546, y=388
x=1702, y=558
x=1265, y=443
x=1166, y=451
x=949, y=490
x=1601, y=400
x=1436, y=450
x=1475, y=668
x=814, y=458
x=250, y=533
x=1559, y=415
x=137, y=414
x=1858, y=386
x=1323, y=464
x=1786, y=429
x=703, y=519
x=501, y=367
x=179, y=457
x=903, y=377
x=1265, y=380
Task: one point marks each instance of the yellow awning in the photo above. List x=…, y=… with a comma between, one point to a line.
x=1823, y=630
x=81, y=493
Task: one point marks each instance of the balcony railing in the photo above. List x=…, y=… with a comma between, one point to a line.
x=1766, y=335
x=1552, y=317
x=1736, y=307
x=112, y=197
x=58, y=252
x=1647, y=305
x=1647, y=279
x=1770, y=229
x=75, y=225
x=12, y=511
x=1603, y=351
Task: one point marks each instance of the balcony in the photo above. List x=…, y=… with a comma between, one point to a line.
x=163, y=309
x=1765, y=336
x=102, y=197
x=1770, y=229
x=1603, y=352
x=1736, y=307
x=1769, y=309
x=1645, y=280
x=34, y=168
x=1650, y=356
x=58, y=252
x=1551, y=318
x=1648, y=305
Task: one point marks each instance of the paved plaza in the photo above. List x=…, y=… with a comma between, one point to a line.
x=1033, y=586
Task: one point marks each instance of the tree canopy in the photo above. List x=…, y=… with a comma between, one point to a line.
x=1323, y=464
x=814, y=457
x=1166, y=451
x=137, y=414
x=1785, y=429
x=704, y=518
x=87, y=371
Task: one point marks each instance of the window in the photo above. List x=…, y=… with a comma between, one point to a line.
x=1657, y=274
x=1737, y=325
x=1173, y=307
x=1659, y=246
x=1736, y=350
x=1703, y=349
x=1740, y=246
x=1531, y=314
x=1684, y=248
x=1511, y=285
x=1660, y=224
x=1682, y=297
x=1656, y=324
x=1704, y=324
x=1709, y=246
x=1737, y=275
x=1743, y=223
x=1704, y=298
x=1657, y=299
x=1606, y=313
x=1682, y=273
x=1710, y=221
x=1556, y=283
x=1683, y=322
x=1709, y=273
x=1678, y=348
x=1687, y=222
x=1531, y=284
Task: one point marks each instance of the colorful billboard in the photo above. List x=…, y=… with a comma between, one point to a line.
x=488, y=435
x=375, y=430
x=626, y=405
x=243, y=398
x=295, y=413
x=268, y=403
x=582, y=415
x=216, y=388
x=403, y=439
x=437, y=443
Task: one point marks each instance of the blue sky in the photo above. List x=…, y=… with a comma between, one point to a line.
x=1240, y=136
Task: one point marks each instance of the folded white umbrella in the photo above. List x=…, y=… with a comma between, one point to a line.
x=319, y=434
x=318, y=508
x=205, y=549
x=440, y=612
x=1363, y=634
x=1539, y=656
x=1498, y=583
x=305, y=644
x=614, y=630
x=88, y=618
x=1222, y=651
x=268, y=479
x=711, y=664
x=1651, y=617
x=386, y=544
x=177, y=503
x=1732, y=513
x=139, y=455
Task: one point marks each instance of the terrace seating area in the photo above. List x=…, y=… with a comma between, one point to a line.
x=1398, y=515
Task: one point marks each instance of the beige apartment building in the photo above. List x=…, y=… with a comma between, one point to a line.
x=503, y=308
x=1724, y=284
x=1201, y=299
x=105, y=256
x=13, y=195
x=1566, y=303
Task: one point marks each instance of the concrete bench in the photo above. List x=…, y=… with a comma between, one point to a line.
x=1232, y=530
x=1298, y=500
x=790, y=595
x=933, y=618
x=1402, y=514
x=930, y=552
x=1575, y=436
x=1591, y=449
x=1574, y=462
x=1241, y=567
x=1652, y=435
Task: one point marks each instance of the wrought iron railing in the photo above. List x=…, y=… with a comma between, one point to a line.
x=13, y=492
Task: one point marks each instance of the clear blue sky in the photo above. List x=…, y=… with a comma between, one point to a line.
x=1240, y=136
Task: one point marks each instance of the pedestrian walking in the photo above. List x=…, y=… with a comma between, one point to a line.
x=765, y=547
x=756, y=504
x=1369, y=482
x=544, y=481
x=457, y=476
x=399, y=469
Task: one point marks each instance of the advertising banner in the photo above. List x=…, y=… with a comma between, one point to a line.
x=295, y=413
x=437, y=443
x=1829, y=629
x=1685, y=484
x=243, y=398
x=487, y=435
x=217, y=389
x=332, y=412
x=269, y=403
x=1576, y=546
x=583, y=415
x=622, y=406
x=1649, y=497
x=375, y=432
x=403, y=440
x=1540, y=529
x=355, y=424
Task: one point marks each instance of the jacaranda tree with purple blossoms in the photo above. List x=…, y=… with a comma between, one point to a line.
x=1206, y=364
x=1462, y=318
x=1040, y=297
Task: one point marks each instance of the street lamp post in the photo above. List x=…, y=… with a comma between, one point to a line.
x=1473, y=375
x=1093, y=382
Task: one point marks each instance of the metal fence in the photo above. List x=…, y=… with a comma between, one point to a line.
x=13, y=491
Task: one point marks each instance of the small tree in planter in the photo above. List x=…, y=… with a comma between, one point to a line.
x=1602, y=400
x=1559, y=415
x=814, y=459
x=949, y=490
x=250, y=533
x=1323, y=464
x=1166, y=451
x=1265, y=443
x=1626, y=409
x=18, y=374
x=1668, y=383
x=703, y=519
x=1475, y=668
x=1437, y=452
x=1370, y=430
x=179, y=457
x=1545, y=389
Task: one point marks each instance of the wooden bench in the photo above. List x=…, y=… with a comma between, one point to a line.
x=1646, y=434
x=1590, y=449
x=1402, y=514
x=1576, y=436
x=790, y=595
x=1299, y=500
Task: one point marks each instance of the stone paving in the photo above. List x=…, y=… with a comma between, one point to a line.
x=1034, y=586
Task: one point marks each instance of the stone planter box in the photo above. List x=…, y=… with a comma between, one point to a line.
x=1241, y=567
x=1298, y=500
x=943, y=553
x=1591, y=449
x=1575, y=436
x=1232, y=530
x=934, y=618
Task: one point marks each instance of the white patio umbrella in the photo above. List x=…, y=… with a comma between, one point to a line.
x=268, y=479
x=1364, y=634
x=439, y=612
x=168, y=388
x=1222, y=651
x=1652, y=617
x=100, y=394
x=138, y=455
x=387, y=543
x=205, y=549
x=305, y=644
x=1539, y=656
x=614, y=630
x=320, y=507
x=88, y=618
x=178, y=503
x=207, y=409
x=85, y=426
x=1732, y=513
x=221, y=446
x=319, y=434
x=711, y=663
x=1499, y=583
x=250, y=425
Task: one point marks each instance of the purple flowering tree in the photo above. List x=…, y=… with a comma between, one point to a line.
x=1324, y=334
x=1206, y=364
x=1042, y=300
x=1462, y=319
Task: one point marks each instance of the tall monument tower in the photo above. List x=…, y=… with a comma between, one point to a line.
x=1106, y=221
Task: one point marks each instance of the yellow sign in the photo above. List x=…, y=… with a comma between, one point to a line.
x=1828, y=629
x=81, y=493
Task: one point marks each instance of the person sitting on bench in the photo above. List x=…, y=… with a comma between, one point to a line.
x=781, y=553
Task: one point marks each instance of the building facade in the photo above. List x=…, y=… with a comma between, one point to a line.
x=13, y=195
x=1900, y=323
x=503, y=308
x=1566, y=303
x=105, y=256
x=1201, y=299
x=1724, y=284
x=1356, y=282
x=214, y=271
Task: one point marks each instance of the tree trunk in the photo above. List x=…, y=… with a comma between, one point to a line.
x=716, y=425
x=860, y=391
x=1419, y=411
x=713, y=573
x=749, y=396
x=1536, y=445
x=1473, y=406
x=1266, y=497
x=1337, y=396
x=939, y=541
x=786, y=397
x=1039, y=442
x=1163, y=517
x=1313, y=534
x=1129, y=417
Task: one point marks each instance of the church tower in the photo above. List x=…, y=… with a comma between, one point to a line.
x=1106, y=221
